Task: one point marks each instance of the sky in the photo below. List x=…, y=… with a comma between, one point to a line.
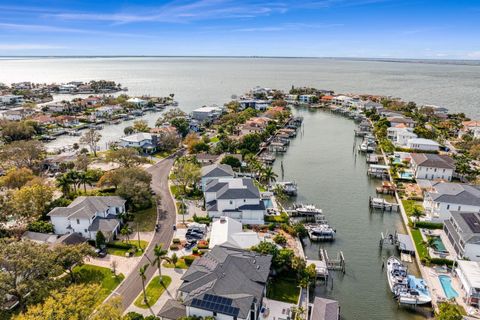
x=430, y=29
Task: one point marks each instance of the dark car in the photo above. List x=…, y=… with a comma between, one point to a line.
x=102, y=253
x=193, y=236
x=190, y=244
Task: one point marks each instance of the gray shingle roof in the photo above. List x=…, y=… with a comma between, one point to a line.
x=172, y=310
x=457, y=193
x=433, y=160
x=325, y=309
x=228, y=272
x=217, y=170
x=86, y=207
x=467, y=233
x=103, y=224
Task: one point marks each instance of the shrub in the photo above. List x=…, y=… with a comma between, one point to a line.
x=202, y=245
x=119, y=245
x=176, y=241
x=174, y=247
x=442, y=262
x=429, y=225
x=271, y=226
x=189, y=260
x=195, y=250
x=203, y=220
x=280, y=239
x=133, y=316
x=41, y=226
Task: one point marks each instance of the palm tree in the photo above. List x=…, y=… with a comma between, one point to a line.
x=72, y=175
x=64, y=182
x=143, y=276
x=160, y=256
x=268, y=175
x=126, y=231
x=430, y=243
x=417, y=213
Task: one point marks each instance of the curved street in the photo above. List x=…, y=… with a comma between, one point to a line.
x=131, y=287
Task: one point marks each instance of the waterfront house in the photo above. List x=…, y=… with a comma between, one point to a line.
x=228, y=231
x=87, y=215
x=226, y=283
x=469, y=274
x=92, y=101
x=15, y=114
x=324, y=309
x=400, y=135
x=444, y=197
x=215, y=171
x=273, y=112
x=370, y=105
x=422, y=144
x=107, y=111
x=432, y=166
x=143, y=140
x=137, y=102
x=396, y=120
x=307, y=98
x=463, y=232
x=205, y=114
x=341, y=100
x=67, y=121
x=43, y=119
x=472, y=127
x=237, y=198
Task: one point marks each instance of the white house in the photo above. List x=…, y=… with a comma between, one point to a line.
x=226, y=283
x=236, y=198
x=215, y=171
x=108, y=110
x=463, y=233
x=137, y=102
x=432, y=166
x=423, y=144
x=469, y=274
x=143, y=140
x=206, y=113
x=88, y=215
x=15, y=114
x=307, y=98
x=230, y=231
x=446, y=196
x=472, y=126
x=11, y=99
x=400, y=135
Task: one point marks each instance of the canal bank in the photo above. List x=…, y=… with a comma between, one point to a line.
x=331, y=175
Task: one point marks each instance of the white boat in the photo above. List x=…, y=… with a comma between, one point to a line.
x=396, y=274
x=321, y=232
x=306, y=209
x=416, y=292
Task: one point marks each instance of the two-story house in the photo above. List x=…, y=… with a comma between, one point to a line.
x=226, y=283
x=236, y=198
x=422, y=144
x=432, y=166
x=400, y=135
x=446, y=196
x=143, y=140
x=463, y=232
x=88, y=215
x=215, y=171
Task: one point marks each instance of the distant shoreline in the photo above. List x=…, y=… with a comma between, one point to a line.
x=395, y=60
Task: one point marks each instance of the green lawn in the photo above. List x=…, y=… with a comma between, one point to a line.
x=121, y=252
x=283, y=289
x=421, y=249
x=179, y=265
x=163, y=154
x=93, y=274
x=282, y=218
x=214, y=139
x=154, y=291
x=146, y=219
x=408, y=205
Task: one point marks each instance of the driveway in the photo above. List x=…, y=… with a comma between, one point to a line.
x=132, y=285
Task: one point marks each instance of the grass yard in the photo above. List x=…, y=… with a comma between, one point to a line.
x=104, y=276
x=154, y=290
x=283, y=289
x=282, y=218
x=214, y=139
x=146, y=219
x=179, y=265
x=121, y=251
x=408, y=205
x=421, y=249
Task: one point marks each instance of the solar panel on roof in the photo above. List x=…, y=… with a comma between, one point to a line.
x=472, y=221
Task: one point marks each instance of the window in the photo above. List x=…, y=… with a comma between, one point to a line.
x=85, y=230
x=448, y=206
x=459, y=208
x=78, y=221
x=231, y=202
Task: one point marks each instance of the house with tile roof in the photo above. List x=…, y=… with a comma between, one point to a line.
x=88, y=215
x=432, y=166
x=226, y=283
x=445, y=197
x=237, y=198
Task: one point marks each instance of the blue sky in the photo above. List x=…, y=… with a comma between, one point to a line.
x=314, y=28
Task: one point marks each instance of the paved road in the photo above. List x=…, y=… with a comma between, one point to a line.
x=131, y=287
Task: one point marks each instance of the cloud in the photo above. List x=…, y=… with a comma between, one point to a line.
x=287, y=27
x=54, y=29
x=473, y=55
x=28, y=46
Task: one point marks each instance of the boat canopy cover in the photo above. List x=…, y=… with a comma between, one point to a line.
x=405, y=243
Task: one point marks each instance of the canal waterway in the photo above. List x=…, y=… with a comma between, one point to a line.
x=331, y=175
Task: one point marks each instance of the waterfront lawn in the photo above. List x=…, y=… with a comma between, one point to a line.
x=283, y=289
x=421, y=249
x=179, y=265
x=282, y=218
x=88, y=274
x=118, y=251
x=154, y=290
x=409, y=205
x=146, y=219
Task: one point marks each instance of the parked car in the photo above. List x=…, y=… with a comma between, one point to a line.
x=190, y=244
x=102, y=253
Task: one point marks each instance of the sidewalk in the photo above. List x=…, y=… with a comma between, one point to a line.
x=169, y=293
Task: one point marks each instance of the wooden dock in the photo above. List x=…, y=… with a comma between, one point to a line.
x=382, y=204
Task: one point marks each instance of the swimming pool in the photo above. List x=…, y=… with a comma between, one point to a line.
x=439, y=246
x=405, y=175
x=446, y=283
x=268, y=203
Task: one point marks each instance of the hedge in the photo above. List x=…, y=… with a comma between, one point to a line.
x=429, y=225
x=442, y=262
x=174, y=247
x=120, y=245
x=176, y=240
x=189, y=260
